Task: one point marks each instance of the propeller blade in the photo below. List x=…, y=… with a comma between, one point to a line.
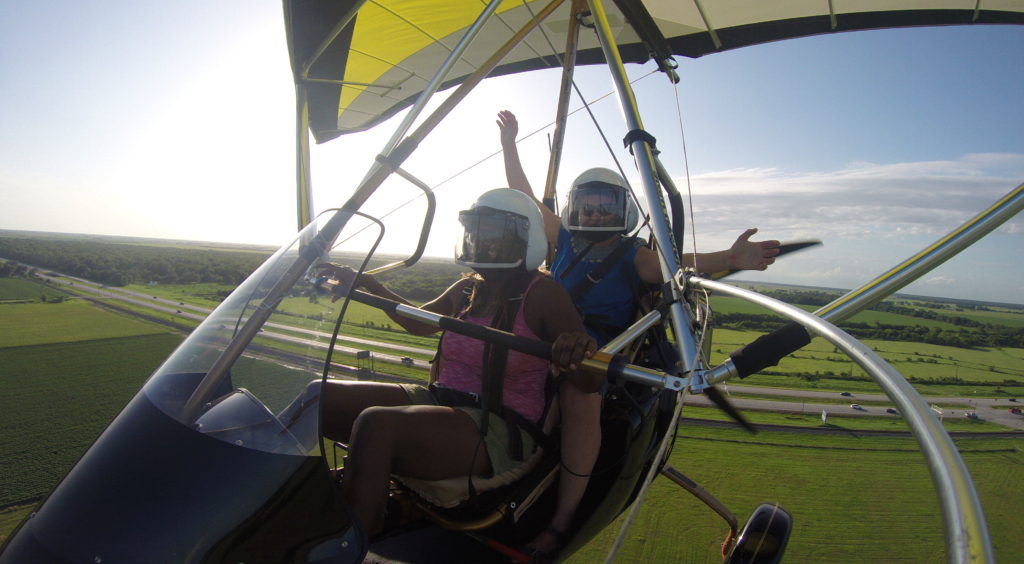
x=719, y=400
x=784, y=249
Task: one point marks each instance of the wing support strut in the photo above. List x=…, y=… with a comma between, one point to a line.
x=564, y=92
x=644, y=157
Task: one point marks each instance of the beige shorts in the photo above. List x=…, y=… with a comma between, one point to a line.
x=497, y=439
x=505, y=470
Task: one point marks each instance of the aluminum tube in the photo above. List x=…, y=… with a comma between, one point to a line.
x=653, y=378
x=303, y=186
x=680, y=318
x=439, y=76
x=622, y=340
x=629, y=372
x=325, y=238
x=967, y=538
x=377, y=173
x=562, y=111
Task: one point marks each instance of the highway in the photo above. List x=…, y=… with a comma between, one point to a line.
x=994, y=410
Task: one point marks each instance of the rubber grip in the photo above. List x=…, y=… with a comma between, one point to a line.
x=769, y=349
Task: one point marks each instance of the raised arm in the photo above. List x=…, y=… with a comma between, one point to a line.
x=516, y=177
x=744, y=254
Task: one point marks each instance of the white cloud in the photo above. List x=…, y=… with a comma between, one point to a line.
x=860, y=200
x=939, y=281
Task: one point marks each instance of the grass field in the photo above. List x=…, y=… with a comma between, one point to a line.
x=68, y=321
x=987, y=372
x=1006, y=317
x=56, y=398
x=852, y=499
x=22, y=290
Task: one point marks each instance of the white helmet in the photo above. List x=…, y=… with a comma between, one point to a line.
x=502, y=229
x=603, y=193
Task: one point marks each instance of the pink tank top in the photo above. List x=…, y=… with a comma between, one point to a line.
x=525, y=375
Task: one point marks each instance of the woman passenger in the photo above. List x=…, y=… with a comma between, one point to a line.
x=410, y=431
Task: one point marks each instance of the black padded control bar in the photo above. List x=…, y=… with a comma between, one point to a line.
x=769, y=349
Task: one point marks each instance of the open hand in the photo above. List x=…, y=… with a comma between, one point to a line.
x=508, y=126
x=752, y=255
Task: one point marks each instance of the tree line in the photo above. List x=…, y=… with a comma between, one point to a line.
x=979, y=335
x=117, y=264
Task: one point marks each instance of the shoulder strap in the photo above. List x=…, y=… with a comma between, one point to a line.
x=460, y=311
x=496, y=356
x=602, y=269
x=565, y=273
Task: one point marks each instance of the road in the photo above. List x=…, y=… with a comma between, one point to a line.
x=318, y=339
x=988, y=409
x=994, y=410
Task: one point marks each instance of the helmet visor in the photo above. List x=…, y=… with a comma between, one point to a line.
x=492, y=238
x=597, y=206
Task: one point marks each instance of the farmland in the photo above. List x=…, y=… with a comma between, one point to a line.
x=68, y=366
x=852, y=499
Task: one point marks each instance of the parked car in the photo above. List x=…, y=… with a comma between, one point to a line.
x=856, y=406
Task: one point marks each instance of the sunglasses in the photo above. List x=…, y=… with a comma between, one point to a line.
x=601, y=209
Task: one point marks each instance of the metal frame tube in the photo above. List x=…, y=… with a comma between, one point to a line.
x=564, y=93
x=634, y=331
x=399, y=153
x=303, y=183
x=440, y=75
x=680, y=318
x=967, y=538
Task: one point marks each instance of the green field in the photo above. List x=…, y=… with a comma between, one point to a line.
x=852, y=499
x=728, y=304
x=22, y=290
x=66, y=369
x=68, y=321
x=933, y=369
x=56, y=398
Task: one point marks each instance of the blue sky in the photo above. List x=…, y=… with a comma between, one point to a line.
x=175, y=120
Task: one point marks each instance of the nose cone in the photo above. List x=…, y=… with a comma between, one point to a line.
x=152, y=489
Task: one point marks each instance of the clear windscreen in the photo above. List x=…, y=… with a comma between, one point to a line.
x=249, y=373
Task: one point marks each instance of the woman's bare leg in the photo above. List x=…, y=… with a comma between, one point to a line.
x=419, y=441
x=343, y=401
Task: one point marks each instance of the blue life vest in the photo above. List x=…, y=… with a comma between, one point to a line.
x=609, y=306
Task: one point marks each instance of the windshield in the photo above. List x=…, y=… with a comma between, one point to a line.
x=248, y=367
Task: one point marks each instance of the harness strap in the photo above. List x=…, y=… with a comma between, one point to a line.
x=601, y=270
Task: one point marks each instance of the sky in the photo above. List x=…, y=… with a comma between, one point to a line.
x=176, y=120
